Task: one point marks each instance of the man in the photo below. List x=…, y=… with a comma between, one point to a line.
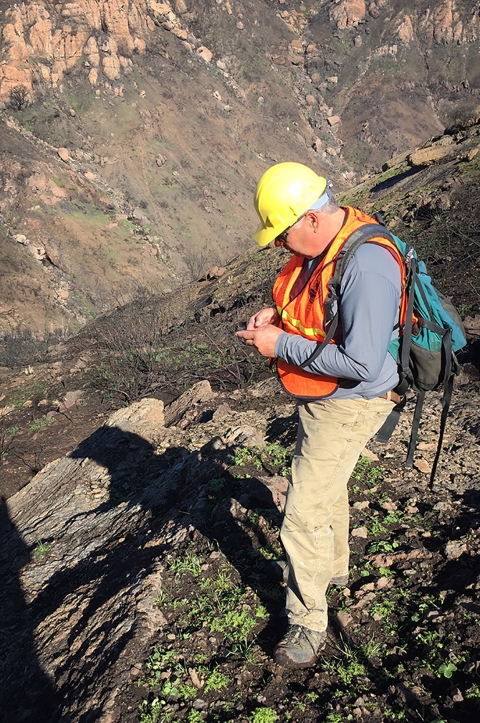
x=344, y=394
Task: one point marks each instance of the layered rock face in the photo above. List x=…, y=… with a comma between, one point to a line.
x=43, y=41
x=444, y=21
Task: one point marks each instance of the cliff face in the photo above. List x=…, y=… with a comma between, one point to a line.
x=444, y=21
x=42, y=41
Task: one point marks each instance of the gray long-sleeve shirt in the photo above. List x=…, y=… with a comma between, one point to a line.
x=369, y=302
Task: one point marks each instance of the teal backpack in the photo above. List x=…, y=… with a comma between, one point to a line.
x=425, y=351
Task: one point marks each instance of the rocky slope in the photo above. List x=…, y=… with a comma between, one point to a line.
x=133, y=134
x=145, y=465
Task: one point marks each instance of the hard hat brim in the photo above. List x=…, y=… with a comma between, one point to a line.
x=264, y=235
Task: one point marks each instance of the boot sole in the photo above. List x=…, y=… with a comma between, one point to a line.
x=280, y=657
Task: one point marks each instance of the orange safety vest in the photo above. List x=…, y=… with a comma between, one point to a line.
x=305, y=314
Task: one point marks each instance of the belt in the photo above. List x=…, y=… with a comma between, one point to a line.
x=392, y=396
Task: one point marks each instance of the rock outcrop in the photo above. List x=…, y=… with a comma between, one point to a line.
x=85, y=543
x=43, y=41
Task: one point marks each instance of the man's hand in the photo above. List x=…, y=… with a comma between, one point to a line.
x=262, y=318
x=264, y=338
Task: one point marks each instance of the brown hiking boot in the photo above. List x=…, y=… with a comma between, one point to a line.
x=299, y=647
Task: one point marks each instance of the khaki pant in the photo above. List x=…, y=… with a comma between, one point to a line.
x=331, y=436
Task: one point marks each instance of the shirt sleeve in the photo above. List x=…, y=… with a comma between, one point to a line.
x=369, y=304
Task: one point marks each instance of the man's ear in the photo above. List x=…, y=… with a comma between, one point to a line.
x=312, y=220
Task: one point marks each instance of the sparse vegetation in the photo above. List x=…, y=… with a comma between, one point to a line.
x=39, y=423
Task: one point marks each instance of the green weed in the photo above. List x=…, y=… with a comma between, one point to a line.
x=21, y=394
x=190, y=563
x=386, y=572
x=473, y=693
x=384, y=608
x=215, y=681
x=149, y=711
x=365, y=473
x=216, y=485
x=41, y=549
x=335, y=718
x=236, y=625
x=195, y=716
x=40, y=423
x=268, y=457
x=218, y=605
x=446, y=669
x=382, y=546
x=263, y=715
x=244, y=456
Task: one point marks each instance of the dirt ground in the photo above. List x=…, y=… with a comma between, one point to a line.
x=403, y=635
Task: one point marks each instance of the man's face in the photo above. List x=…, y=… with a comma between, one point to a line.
x=300, y=239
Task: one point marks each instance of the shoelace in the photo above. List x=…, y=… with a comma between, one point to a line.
x=293, y=635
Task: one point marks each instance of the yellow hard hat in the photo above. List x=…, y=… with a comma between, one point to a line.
x=283, y=194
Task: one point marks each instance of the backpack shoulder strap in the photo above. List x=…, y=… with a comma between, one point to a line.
x=352, y=243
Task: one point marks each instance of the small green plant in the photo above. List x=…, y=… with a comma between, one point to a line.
x=383, y=608
x=244, y=456
x=149, y=712
x=365, y=473
x=446, y=669
x=161, y=598
x=377, y=527
x=268, y=457
x=473, y=694
x=215, y=681
x=41, y=549
x=382, y=546
x=216, y=485
x=473, y=691
x=335, y=718
x=195, y=716
x=386, y=572
x=427, y=637
x=190, y=563
x=40, y=423
x=263, y=715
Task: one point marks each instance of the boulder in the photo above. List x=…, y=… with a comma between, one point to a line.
x=427, y=156
x=205, y=54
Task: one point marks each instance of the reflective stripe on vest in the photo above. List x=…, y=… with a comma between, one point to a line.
x=305, y=314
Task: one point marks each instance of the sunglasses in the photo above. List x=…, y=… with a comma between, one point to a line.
x=283, y=237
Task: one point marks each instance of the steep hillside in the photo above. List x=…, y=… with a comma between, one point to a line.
x=143, y=473
x=395, y=73
x=132, y=135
